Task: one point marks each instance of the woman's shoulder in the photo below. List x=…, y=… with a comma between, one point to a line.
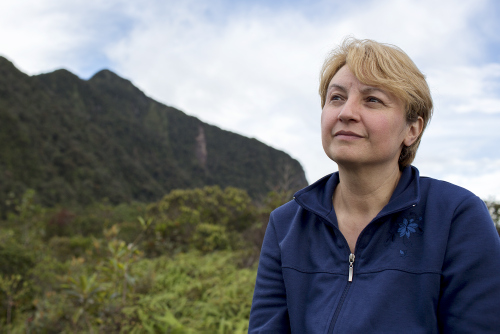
x=447, y=197
x=444, y=189
x=288, y=209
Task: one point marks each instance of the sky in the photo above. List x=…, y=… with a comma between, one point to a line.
x=252, y=67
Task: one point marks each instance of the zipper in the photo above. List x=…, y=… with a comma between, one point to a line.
x=351, y=266
x=351, y=255
x=344, y=293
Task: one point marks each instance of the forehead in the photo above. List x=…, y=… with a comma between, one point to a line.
x=345, y=80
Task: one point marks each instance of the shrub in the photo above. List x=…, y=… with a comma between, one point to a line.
x=209, y=238
x=179, y=213
x=15, y=259
x=494, y=208
x=194, y=293
x=64, y=248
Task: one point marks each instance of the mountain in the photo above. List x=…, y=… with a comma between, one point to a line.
x=77, y=141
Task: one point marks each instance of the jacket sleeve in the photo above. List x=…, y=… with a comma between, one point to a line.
x=470, y=282
x=269, y=313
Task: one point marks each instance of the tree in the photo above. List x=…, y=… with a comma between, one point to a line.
x=85, y=292
x=494, y=208
x=14, y=288
x=180, y=214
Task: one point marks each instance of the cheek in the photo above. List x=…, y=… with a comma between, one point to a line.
x=327, y=122
x=389, y=130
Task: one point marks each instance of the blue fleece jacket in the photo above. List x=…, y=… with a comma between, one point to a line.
x=429, y=262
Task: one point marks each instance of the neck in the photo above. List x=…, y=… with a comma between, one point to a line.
x=365, y=191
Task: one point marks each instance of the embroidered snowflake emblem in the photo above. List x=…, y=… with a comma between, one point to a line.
x=407, y=227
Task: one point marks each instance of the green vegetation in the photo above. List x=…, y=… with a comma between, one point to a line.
x=494, y=209
x=184, y=264
x=91, y=245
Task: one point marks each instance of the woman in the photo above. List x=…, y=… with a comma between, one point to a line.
x=374, y=248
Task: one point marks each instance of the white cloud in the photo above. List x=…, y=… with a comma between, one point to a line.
x=41, y=36
x=254, y=76
x=481, y=176
x=254, y=69
x=257, y=73
x=472, y=88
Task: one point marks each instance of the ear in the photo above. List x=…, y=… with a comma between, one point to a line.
x=414, y=130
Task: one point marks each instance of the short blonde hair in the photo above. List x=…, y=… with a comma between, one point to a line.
x=388, y=67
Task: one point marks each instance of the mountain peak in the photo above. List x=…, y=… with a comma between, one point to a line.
x=106, y=75
x=111, y=81
x=7, y=68
x=5, y=62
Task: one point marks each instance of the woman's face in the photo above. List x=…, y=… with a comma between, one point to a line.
x=363, y=125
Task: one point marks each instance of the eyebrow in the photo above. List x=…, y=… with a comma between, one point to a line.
x=370, y=89
x=366, y=90
x=331, y=86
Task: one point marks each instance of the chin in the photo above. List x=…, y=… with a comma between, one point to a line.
x=345, y=157
x=347, y=161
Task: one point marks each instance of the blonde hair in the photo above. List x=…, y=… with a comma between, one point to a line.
x=388, y=67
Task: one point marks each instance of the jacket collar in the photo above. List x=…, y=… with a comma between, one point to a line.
x=317, y=197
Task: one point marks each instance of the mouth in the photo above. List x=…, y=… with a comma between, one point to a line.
x=347, y=134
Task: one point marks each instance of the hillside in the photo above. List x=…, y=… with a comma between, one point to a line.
x=78, y=141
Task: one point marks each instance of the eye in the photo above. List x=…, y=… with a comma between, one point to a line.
x=335, y=97
x=373, y=99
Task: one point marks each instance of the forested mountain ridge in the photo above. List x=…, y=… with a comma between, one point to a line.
x=75, y=140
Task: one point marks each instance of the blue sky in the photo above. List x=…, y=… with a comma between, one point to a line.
x=252, y=66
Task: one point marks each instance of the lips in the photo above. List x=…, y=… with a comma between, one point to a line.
x=347, y=134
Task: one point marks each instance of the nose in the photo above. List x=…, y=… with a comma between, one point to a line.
x=349, y=111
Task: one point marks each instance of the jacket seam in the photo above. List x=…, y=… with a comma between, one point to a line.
x=415, y=272
x=313, y=272
x=364, y=272
x=459, y=205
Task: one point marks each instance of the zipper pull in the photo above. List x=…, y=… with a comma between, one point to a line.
x=351, y=264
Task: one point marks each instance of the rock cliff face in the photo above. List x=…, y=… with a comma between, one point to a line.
x=201, y=147
x=74, y=140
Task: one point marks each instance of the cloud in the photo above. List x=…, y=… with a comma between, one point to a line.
x=41, y=36
x=432, y=33
x=256, y=72
x=472, y=88
x=481, y=176
x=249, y=75
x=253, y=67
